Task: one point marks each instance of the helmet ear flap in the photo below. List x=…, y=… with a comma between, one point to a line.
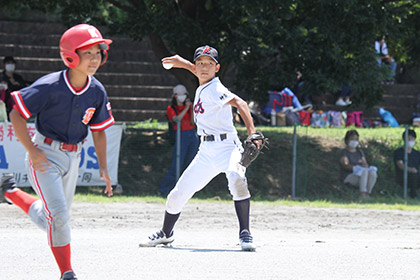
x=104, y=56
x=70, y=59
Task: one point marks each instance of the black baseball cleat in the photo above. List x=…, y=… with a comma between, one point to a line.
x=246, y=241
x=68, y=275
x=7, y=182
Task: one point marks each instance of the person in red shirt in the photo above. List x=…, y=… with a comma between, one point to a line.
x=180, y=109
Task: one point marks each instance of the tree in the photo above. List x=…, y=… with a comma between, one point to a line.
x=330, y=42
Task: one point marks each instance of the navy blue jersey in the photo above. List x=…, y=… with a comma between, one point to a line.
x=61, y=112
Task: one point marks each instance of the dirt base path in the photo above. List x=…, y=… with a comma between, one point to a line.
x=293, y=243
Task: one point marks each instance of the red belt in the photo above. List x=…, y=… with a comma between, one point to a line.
x=63, y=146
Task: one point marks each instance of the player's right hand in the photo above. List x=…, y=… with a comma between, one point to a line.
x=178, y=62
x=175, y=60
x=38, y=160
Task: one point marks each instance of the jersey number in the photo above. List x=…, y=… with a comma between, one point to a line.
x=88, y=115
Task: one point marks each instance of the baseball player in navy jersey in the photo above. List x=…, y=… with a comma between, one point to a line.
x=219, y=151
x=65, y=105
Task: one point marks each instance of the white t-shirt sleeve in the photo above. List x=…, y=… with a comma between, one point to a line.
x=377, y=47
x=384, y=49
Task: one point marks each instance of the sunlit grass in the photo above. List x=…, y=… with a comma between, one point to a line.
x=97, y=198
x=318, y=151
x=373, y=203
x=150, y=124
x=387, y=135
x=369, y=204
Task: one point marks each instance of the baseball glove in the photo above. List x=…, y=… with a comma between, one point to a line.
x=251, y=150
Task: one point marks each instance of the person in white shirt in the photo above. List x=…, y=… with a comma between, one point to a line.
x=220, y=149
x=384, y=57
x=354, y=167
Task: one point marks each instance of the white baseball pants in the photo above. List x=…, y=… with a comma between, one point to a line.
x=212, y=158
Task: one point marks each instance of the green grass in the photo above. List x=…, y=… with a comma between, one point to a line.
x=96, y=198
x=415, y=206
x=152, y=124
x=146, y=155
x=380, y=204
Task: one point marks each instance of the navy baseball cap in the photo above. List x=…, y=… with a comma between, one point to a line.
x=206, y=50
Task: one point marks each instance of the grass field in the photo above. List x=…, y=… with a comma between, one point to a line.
x=374, y=203
x=146, y=155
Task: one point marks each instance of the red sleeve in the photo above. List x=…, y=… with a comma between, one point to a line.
x=170, y=113
x=19, y=105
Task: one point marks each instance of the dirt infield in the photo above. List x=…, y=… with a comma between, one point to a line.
x=293, y=243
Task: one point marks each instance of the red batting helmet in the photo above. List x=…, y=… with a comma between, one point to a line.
x=81, y=36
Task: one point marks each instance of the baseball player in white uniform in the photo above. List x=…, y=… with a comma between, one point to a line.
x=219, y=151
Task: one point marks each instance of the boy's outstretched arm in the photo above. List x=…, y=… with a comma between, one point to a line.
x=180, y=62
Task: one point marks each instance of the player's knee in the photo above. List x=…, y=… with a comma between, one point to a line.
x=176, y=201
x=238, y=186
x=37, y=214
x=61, y=218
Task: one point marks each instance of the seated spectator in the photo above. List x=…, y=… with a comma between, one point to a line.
x=297, y=89
x=354, y=167
x=384, y=58
x=412, y=164
x=180, y=109
x=344, y=96
x=14, y=81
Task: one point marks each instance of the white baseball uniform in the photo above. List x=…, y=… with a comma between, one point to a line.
x=220, y=149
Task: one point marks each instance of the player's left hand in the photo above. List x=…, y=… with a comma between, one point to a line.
x=258, y=143
x=105, y=176
x=253, y=145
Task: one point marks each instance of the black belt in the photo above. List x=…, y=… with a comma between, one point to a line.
x=212, y=138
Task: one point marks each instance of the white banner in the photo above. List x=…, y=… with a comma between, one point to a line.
x=12, y=156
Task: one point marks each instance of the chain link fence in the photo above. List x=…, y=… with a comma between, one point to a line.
x=301, y=162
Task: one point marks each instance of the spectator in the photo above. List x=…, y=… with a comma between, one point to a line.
x=354, y=167
x=412, y=164
x=14, y=81
x=297, y=89
x=181, y=108
x=382, y=50
x=344, y=95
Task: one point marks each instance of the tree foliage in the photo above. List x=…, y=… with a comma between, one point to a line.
x=330, y=42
